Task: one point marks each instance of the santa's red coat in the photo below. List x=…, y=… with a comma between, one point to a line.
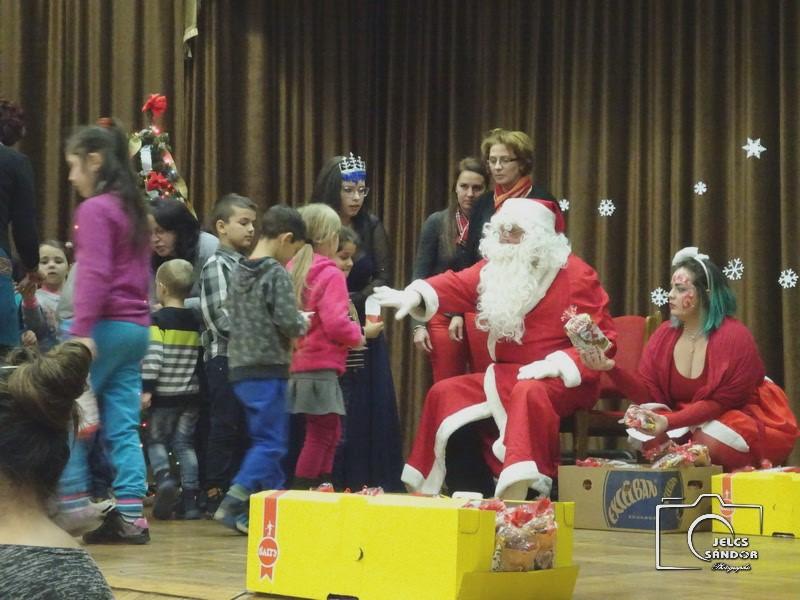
x=527, y=412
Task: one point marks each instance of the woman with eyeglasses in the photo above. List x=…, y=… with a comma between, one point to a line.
x=509, y=158
x=442, y=239
x=369, y=451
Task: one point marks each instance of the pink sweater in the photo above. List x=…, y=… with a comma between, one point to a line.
x=113, y=275
x=331, y=331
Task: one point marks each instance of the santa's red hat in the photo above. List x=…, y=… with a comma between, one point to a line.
x=524, y=211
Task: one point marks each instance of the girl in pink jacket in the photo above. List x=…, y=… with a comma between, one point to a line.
x=319, y=359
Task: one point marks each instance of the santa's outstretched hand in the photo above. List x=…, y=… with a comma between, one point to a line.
x=402, y=300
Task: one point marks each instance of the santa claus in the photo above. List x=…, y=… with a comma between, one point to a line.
x=528, y=284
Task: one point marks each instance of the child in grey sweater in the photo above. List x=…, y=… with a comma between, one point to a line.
x=264, y=321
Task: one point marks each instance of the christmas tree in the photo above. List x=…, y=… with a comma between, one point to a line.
x=152, y=156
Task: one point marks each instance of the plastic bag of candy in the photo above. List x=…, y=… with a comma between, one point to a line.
x=585, y=335
x=525, y=535
x=639, y=418
x=684, y=456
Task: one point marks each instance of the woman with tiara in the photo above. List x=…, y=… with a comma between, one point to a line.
x=370, y=449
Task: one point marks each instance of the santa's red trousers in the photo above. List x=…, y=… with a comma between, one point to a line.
x=534, y=409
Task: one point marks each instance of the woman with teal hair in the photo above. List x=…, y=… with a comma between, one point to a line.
x=701, y=378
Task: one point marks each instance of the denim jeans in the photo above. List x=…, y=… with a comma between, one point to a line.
x=173, y=427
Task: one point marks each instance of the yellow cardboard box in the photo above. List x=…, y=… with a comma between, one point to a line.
x=389, y=547
x=776, y=491
x=625, y=498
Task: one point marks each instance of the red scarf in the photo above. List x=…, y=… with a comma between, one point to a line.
x=462, y=224
x=521, y=189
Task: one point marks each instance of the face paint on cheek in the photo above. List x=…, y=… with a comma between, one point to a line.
x=688, y=300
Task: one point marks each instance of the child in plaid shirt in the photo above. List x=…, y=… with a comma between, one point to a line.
x=233, y=219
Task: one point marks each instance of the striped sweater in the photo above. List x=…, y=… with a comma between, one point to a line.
x=169, y=370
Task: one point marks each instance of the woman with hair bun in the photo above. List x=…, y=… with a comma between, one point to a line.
x=37, y=414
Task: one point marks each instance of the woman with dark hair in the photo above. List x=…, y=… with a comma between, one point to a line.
x=37, y=413
x=111, y=314
x=341, y=184
x=18, y=209
x=701, y=378
x=443, y=238
x=371, y=454
x=175, y=233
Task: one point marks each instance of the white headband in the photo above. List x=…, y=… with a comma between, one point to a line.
x=692, y=252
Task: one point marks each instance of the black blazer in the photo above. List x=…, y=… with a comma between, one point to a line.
x=18, y=207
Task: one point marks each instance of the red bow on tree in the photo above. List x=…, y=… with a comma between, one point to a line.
x=156, y=104
x=156, y=181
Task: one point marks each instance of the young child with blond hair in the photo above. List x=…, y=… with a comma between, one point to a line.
x=171, y=390
x=320, y=289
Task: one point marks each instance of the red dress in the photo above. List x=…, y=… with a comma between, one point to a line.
x=733, y=407
x=527, y=413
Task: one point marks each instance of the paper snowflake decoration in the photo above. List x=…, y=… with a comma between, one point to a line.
x=569, y=313
x=734, y=269
x=563, y=204
x=606, y=208
x=754, y=148
x=700, y=188
x=788, y=279
x=659, y=296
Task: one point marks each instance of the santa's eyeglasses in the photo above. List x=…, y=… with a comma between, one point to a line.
x=511, y=233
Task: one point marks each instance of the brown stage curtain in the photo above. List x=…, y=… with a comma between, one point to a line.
x=631, y=100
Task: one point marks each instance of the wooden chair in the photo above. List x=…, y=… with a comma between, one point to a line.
x=602, y=420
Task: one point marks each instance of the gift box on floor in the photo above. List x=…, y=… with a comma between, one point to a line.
x=625, y=498
x=776, y=491
x=315, y=544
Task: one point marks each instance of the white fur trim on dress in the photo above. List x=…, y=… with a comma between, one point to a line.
x=498, y=411
x=430, y=300
x=515, y=480
x=412, y=478
x=432, y=484
x=722, y=433
x=570, y=374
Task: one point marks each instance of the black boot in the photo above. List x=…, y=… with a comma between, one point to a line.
x=191, y=511
x=166, y=494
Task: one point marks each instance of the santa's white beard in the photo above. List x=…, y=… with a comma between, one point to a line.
x=511, y=281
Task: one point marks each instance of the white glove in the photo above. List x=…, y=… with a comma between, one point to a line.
x=402, y=300
x=539, y=369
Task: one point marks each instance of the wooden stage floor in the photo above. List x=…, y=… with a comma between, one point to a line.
x=203, y=560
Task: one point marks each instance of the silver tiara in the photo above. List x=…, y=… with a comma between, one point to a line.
x=352, y=165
